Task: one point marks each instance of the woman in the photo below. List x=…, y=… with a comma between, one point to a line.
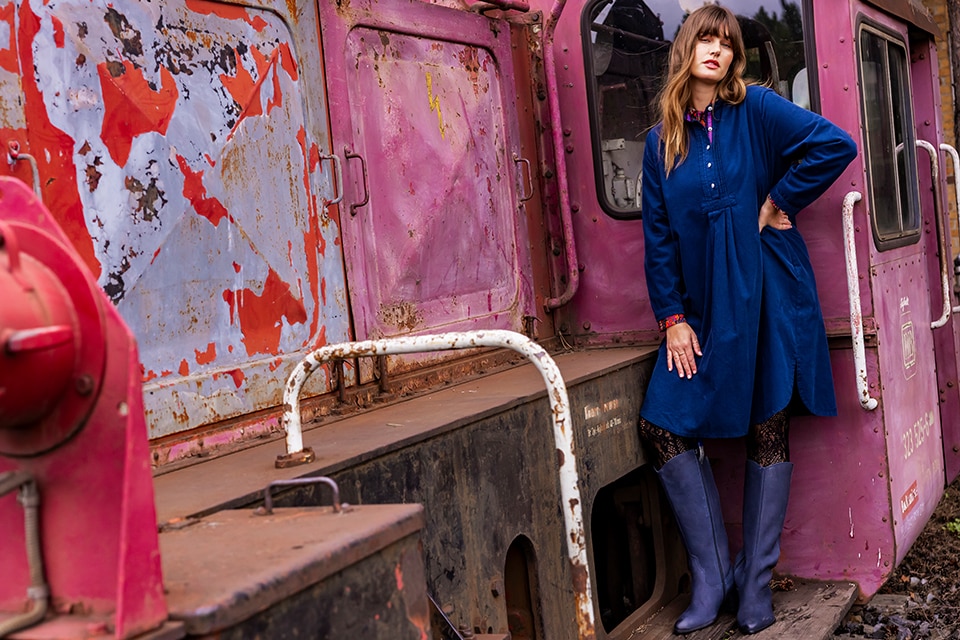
x=731, y=285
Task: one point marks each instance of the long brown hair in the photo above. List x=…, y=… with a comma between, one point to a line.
x=709, y=20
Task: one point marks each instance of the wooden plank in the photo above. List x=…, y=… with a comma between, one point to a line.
x=807, y=611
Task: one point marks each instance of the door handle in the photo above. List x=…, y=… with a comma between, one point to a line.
x=348, y=154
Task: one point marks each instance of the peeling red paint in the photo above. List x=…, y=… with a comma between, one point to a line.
x=236, y=267
x=314, y=157
x=237, y=375
x=149, y=375
x=196, y=193
x=184, y=367
x=259, y=315
x=165, y=373
x=288, y=62
x=155, y=254
x=230, y=12
x=58, y=39
x=8, y=55
x=210, y=160
x=313, y=240
x=245, y=90
x=276, y=364
x=52, y=148
x=323, y=290
x=131, y=107
x=208, y=356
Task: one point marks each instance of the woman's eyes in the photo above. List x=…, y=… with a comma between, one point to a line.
x=723, y=43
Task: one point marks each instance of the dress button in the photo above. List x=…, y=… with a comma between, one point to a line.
x=709, y=164
x=713, y=186
x=708, y=147
x=709, y=128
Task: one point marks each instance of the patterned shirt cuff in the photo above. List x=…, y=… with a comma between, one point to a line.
x=669, y=321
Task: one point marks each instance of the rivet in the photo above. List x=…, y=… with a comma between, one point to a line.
x=84, y=384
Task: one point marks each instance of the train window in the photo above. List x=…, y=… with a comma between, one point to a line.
x=626, y=48
x=891, y=145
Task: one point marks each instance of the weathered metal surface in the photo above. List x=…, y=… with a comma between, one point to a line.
x=234, y=572
x=449, y=451
x=856, y=311
x=422, y=102
x=571, y=500
x=177, y=148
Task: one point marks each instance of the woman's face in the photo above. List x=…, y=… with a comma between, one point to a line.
x=711, y=59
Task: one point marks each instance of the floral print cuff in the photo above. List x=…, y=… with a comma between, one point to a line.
x=669, y=321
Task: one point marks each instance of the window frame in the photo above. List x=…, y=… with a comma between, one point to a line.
x=591, y=87
x=885, y=241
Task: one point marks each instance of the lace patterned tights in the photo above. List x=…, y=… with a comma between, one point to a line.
x=767, y=442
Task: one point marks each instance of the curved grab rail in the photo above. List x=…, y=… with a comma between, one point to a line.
x=559, y=405
x=956, y=180
x=853, y=292
x=941, y=236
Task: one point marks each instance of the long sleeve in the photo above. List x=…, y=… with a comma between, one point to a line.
x=816, y=151
x=661, y=257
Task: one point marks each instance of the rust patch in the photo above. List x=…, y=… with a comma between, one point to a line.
x=147, y=195
x=402, y=315
x=122, y=31
x=560, y=458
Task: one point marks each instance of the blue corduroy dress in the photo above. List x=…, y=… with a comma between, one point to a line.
x=749, y=296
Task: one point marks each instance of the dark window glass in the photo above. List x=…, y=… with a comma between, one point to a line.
x=891, y=146
x=627, y=44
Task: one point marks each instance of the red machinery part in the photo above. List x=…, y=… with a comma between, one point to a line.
x=51, y=341
x=82, y=537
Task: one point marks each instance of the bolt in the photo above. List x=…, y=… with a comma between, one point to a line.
x=84, y=384
x=567, y=132
x=586, y=326
x=569, y=148
x=575, y=207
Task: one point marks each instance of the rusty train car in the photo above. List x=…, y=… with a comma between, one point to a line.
x=253, y=254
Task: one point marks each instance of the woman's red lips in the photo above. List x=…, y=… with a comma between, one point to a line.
x=713, y=64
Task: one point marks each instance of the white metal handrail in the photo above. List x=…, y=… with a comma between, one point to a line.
x=559, y=405
x=941, y=240
x=853, y=293
x=956, y=183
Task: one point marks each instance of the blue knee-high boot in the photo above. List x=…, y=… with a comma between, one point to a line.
x=765, y=494
x=690, y=487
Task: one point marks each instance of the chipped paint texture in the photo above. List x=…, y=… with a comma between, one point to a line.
x=436, y=246
x=192, y=159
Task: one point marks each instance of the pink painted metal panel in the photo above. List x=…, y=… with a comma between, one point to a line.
x=423, y=113
x=839, y=520
x=910, y=401
x=180, y=153
x=612, y=294
x=926, y=98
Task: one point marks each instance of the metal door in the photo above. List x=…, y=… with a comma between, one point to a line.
x=179, y=150
x=422, y=102
x=905, y=267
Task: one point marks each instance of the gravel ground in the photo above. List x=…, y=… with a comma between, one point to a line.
x=922, y=597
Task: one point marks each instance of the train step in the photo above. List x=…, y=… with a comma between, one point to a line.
x=806, y=610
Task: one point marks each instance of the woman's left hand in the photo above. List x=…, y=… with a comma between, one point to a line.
x=770, y=216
